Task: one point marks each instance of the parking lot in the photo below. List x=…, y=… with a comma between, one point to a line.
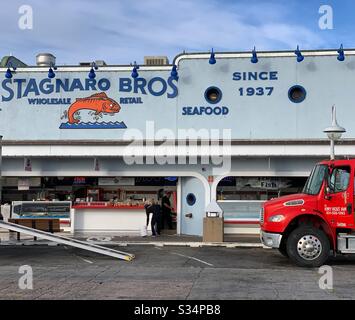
x=61, y=272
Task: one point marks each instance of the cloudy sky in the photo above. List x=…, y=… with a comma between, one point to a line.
x=123, y=31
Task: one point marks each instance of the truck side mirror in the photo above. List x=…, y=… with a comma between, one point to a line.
x=326, y=193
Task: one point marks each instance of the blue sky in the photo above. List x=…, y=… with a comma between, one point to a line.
x=123, y=31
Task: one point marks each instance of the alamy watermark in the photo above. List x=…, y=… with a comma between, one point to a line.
x=25, y=21
x=325, y=21
x=326, y=280
x=26, y=281
x=183, y=146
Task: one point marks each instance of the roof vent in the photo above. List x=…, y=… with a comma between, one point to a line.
x=45, y=59
x=99, y=63
x=156, y=60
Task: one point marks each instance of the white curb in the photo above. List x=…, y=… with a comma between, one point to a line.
x=152, y=243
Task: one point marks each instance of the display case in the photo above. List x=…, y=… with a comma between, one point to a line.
x=93, y=194
x=41, y=209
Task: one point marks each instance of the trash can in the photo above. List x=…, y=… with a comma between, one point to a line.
x=213, y=223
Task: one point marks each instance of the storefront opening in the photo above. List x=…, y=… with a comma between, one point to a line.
x=241, y=198
x=38, y=197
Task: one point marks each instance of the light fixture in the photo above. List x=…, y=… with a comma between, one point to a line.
x=134, y=71
x=174, y=73
x=212, y=59
x=8, y=74
x=92, y=73
x=341, y=55
x=334, y=132
x=254, y=58
x=51, y=73
x=299, y=55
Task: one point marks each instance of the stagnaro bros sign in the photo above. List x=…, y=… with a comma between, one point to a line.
x=98, y=104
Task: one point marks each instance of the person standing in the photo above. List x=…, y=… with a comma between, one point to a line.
x=166, y=210
x=147, y=204
x=155, y=209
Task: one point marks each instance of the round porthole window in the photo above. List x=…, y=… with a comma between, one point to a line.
x=213, y=95
x=190, y=199
x=297, y=94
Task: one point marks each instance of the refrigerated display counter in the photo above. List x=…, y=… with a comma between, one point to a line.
x=108, y=217
x=43, y=210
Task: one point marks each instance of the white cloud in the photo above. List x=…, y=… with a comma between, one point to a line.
x=122, y=31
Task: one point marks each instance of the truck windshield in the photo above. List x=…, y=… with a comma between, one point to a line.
x=315, y=180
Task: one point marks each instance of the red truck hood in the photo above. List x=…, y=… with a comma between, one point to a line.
x=290, y=197
x=276, y=206
x=277, y=203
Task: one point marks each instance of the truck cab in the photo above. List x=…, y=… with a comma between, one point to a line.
x=310, y=226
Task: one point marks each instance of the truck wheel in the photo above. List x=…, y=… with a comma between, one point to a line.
x=282, y=249
x=308, y=247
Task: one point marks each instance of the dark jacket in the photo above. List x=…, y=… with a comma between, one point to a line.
x=155, y=209
x=164, y=201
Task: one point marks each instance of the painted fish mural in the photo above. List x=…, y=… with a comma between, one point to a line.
x=99, y=104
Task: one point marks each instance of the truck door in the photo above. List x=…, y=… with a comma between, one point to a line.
x=338, y=203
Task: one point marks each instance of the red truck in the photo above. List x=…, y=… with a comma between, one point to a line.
x=311, y=226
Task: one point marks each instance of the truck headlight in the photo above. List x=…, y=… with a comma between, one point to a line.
x=276, y=218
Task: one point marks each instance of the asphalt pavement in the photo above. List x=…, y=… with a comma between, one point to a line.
x=61, y=272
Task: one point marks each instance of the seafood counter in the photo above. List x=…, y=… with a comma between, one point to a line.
x=108, y=217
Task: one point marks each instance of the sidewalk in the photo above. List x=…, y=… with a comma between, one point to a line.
x=165, y=239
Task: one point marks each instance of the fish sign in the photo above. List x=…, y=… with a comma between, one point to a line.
x=99, y=104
